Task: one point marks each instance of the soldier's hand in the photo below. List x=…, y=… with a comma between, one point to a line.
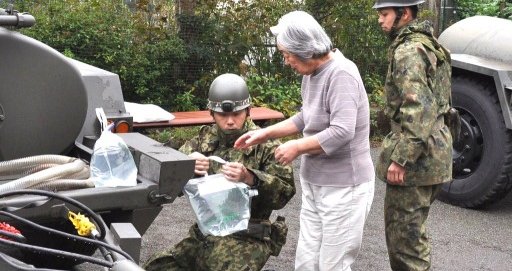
x=202, y=163
x=396, y=174
x=237, y=172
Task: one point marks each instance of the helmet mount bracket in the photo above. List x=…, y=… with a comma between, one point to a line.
x=227, y=106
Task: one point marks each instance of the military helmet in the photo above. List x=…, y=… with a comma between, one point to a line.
x=396, y=3
x=228, y=93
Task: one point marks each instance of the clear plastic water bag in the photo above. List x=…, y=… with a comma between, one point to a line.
x=112, y=163
x=222, y=207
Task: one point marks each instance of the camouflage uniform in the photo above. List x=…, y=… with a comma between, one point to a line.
x=236, y=251
x=418, y=89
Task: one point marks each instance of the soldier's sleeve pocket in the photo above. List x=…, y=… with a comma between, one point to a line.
x=438, y=140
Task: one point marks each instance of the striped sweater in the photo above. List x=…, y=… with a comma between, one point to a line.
x=335, y=110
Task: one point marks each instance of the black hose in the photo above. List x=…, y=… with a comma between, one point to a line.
x=20, y=265
x=60, y=253
x=65, y=234
x=96, y=218
x=107, y=254
x=14, y=236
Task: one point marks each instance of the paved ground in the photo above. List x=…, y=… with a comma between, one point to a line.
x=463, y=239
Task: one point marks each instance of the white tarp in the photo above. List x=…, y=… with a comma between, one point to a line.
x=147, y=112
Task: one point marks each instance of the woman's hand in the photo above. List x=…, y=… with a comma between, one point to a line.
x=251, y=138
x=287, y=152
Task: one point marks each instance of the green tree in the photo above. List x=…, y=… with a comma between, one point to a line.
x=229, y=36
x=140, y=46
x=168, y=52
x=353, y=28
x=496, y=8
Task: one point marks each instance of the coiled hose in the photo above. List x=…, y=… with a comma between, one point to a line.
x=47, y=172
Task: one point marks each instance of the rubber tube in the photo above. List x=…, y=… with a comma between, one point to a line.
x=85, y=173
x=57, y=172
x=57, y=252
x=63, y=184
x=18, y=166
x=95, y=217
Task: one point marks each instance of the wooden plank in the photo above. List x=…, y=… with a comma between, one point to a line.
x=192, y=118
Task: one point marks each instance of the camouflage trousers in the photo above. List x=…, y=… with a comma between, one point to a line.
x=212, y=253
x=406, y=210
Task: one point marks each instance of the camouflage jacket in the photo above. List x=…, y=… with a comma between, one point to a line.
x=275, y=182
x=418, y=89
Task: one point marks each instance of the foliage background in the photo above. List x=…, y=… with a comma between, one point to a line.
x=167, y=52
x=168, y=57
x=497, y=8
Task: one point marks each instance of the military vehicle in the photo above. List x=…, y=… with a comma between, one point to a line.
x=481, y=90
x=47, y=107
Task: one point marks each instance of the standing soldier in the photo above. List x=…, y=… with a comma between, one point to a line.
x=416, y=157
x=229, y=103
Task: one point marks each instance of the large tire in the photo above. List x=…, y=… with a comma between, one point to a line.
x=482, y=158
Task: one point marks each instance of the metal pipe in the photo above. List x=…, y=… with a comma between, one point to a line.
x=18, y=20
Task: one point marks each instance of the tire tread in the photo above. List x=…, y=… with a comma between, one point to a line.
x=502, y=186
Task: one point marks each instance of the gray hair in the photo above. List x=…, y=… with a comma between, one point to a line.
x=300, y=34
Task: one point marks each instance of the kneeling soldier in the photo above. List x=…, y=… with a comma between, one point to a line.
x=229, y=103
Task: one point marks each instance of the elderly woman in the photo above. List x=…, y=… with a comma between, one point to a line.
x=336, y=173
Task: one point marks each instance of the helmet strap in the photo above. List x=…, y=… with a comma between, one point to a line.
x=394, y=29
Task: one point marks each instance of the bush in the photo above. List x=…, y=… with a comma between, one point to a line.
x=170, y=60
x=143, y=55
x=174, y=137
x=379, y=123
x=276, y=93
x=468, y=8
x=354, y=29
